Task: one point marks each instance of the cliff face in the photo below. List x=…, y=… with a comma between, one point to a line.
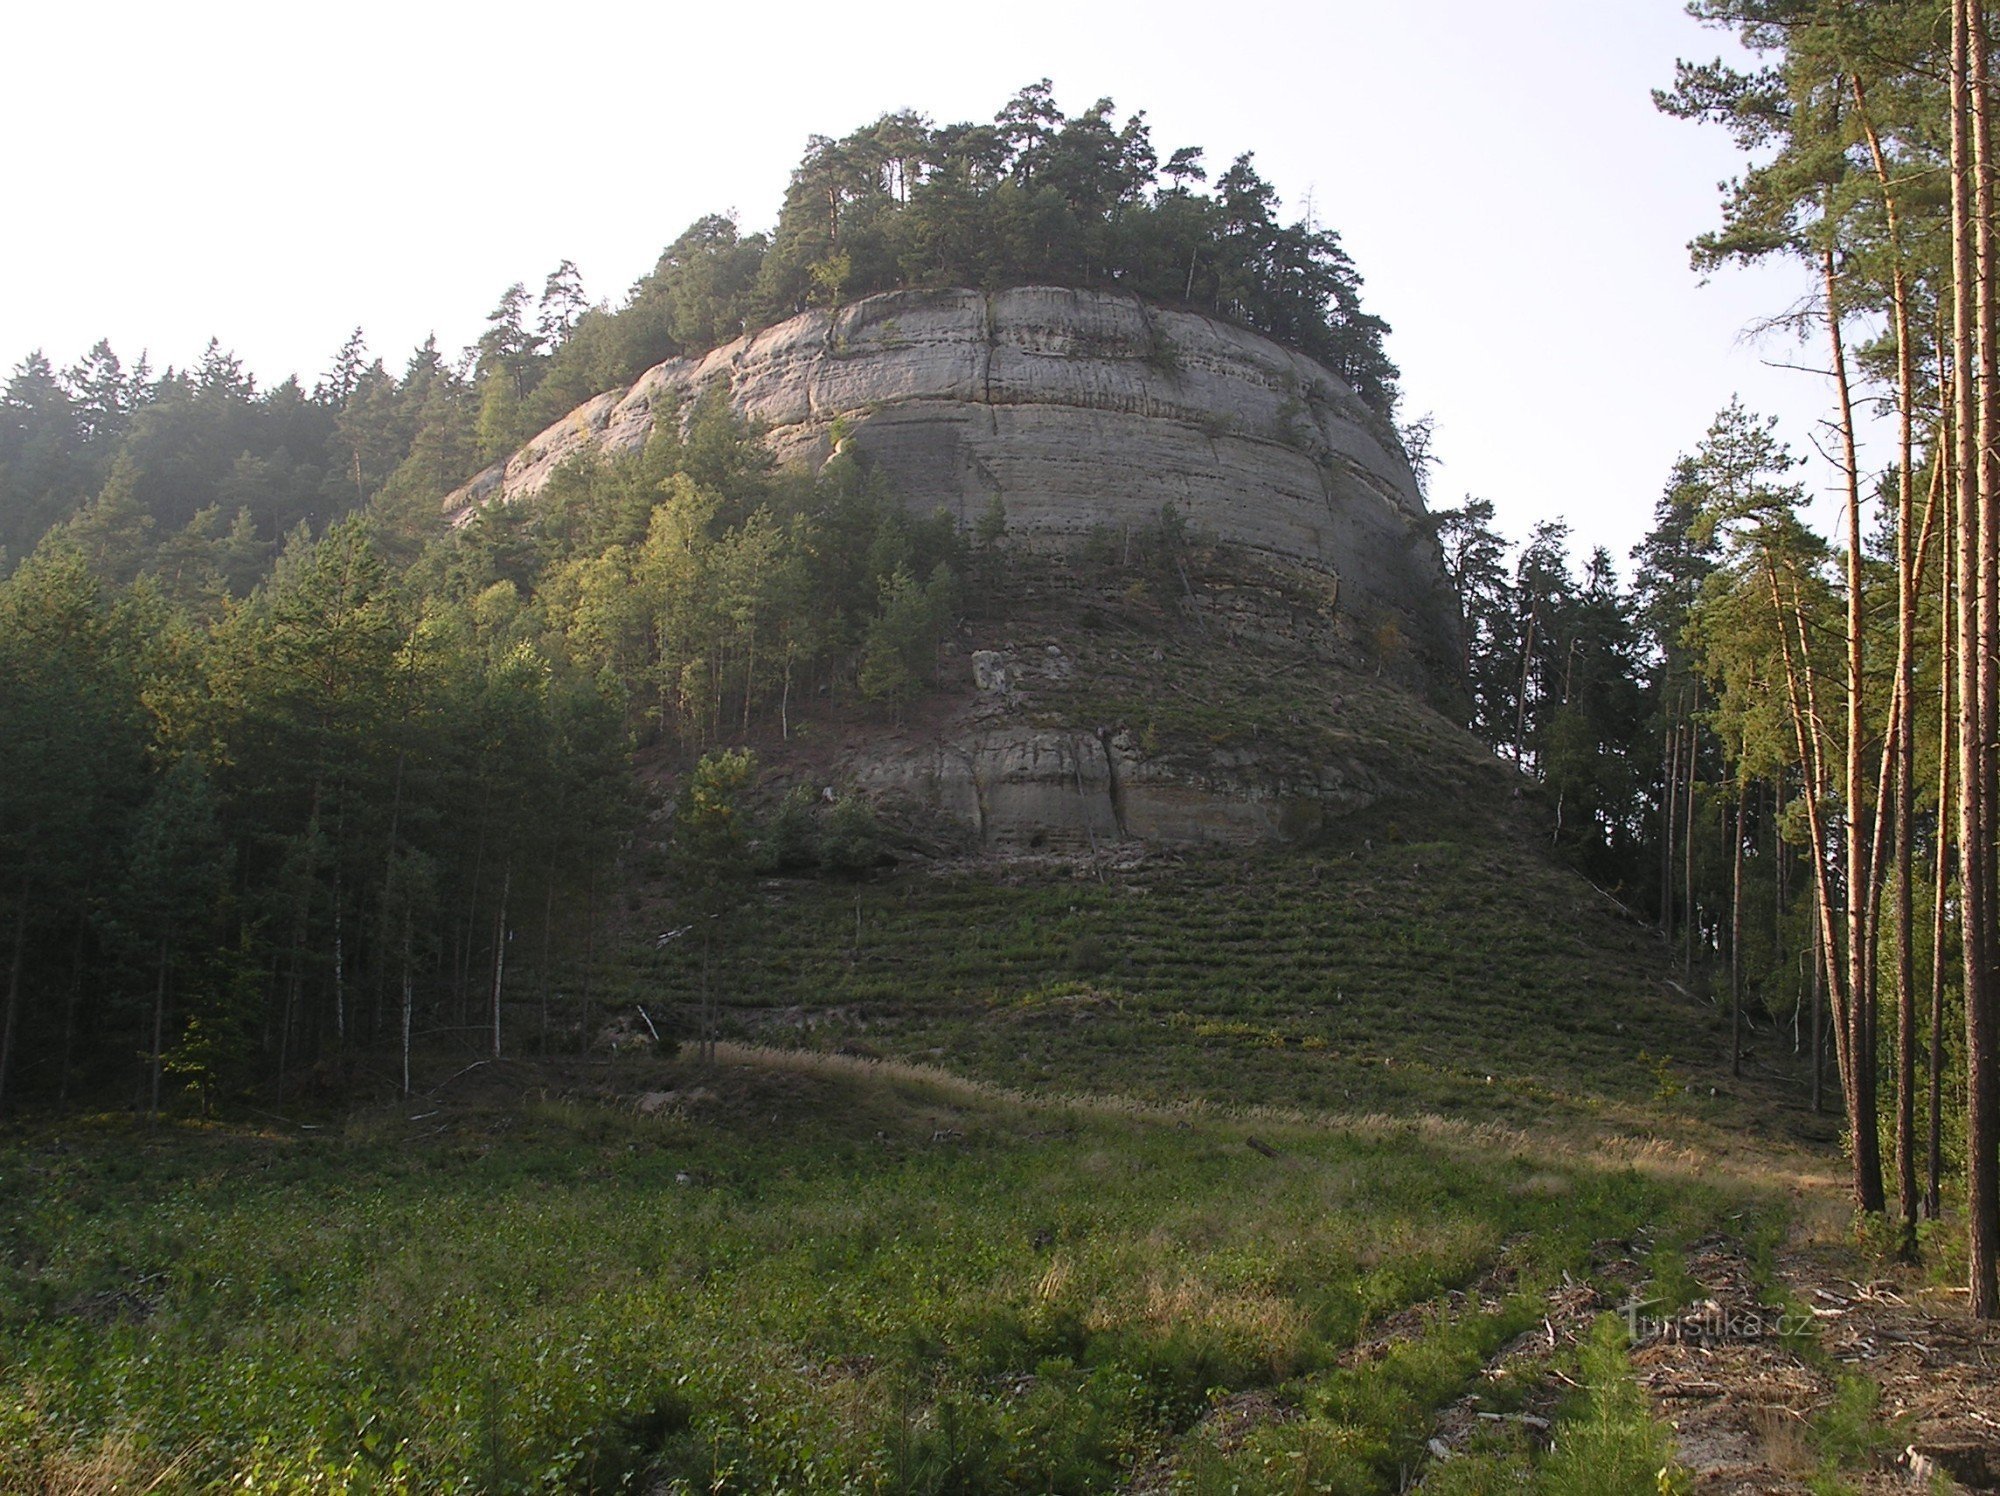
x=1077, y=409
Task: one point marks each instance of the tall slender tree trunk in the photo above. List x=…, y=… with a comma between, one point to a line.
x=548, y=936
x=70, y=1000
x=339, y=966
x=1903, y=745
x=500, y=952
x=1670, y=778
x=589, y=995
x=464, y=981
x=1521, y=700
x=1977, y=631
x=1818, y=1017
x=785, y=695
x=1802, y=700
x=159, y=1030
x=1690, y=914
x=1868, y=1184
x=10, y=1021
x=389, y=863
x=408, y=1003
x=1736, y=939
x=1941, y=879
x=293, y=978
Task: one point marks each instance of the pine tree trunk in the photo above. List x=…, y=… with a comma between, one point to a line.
x=1802, y=702
x=70, y=1000
x=159, y=1031
x=1670, y=802
x=379, y=966
x=548, y=936
x=1908, y=562
x=10, y=1022
x=500, y=953
x=1520, y=701
x=1976, y=635
x=339, y=967
x=408, y=1004
x=1941, y=879
x=1860, y=1080
x=1687, y=846
x=589, y=995
x=464, y=973
x=1818, y=1021
x=1736, y=940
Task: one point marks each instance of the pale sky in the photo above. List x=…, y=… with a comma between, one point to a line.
x=276, y=174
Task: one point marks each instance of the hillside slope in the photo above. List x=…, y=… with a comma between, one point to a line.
x=1176, y=859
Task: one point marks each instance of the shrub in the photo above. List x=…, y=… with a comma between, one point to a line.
x=850, y=840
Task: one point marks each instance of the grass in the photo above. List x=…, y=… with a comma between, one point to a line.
x=812, y=1278
x=1417, y=951
x=1441, y=975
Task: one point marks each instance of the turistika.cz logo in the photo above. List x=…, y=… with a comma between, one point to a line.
x=1710, y=1323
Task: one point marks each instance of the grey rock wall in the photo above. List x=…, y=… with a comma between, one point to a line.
x=1077, y=409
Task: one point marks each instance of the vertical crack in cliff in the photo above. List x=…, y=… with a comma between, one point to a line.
x=986, y=359
x=1114, y=789
x=1083, y=798
x=979, y=799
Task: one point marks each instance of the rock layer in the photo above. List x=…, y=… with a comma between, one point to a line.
x=1075, y=409
x=1004, y=770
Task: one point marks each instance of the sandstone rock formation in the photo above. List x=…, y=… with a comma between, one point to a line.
x=1076, y=409
x=1012, y=780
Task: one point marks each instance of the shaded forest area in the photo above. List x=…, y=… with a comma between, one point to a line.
x=243, y=840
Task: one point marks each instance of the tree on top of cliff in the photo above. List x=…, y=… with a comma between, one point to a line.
x=1034, y=197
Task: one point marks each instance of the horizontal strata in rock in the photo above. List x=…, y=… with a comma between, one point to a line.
x=1013, y=785
x=1078, y=409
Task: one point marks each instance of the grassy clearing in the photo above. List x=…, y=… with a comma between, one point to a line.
x=807, y=1278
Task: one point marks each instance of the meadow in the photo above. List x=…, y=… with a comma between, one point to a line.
x=783, y=1273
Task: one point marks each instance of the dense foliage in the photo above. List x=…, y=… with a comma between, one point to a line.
x=1034, y=197
x=242, y=836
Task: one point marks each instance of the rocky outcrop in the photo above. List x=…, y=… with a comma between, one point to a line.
x=1075, y=410
x=1007, y=778
x=1029, y=787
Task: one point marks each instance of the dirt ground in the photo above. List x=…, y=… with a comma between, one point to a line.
x=1743, y=1381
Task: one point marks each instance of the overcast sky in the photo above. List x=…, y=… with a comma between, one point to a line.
x=276, y=174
